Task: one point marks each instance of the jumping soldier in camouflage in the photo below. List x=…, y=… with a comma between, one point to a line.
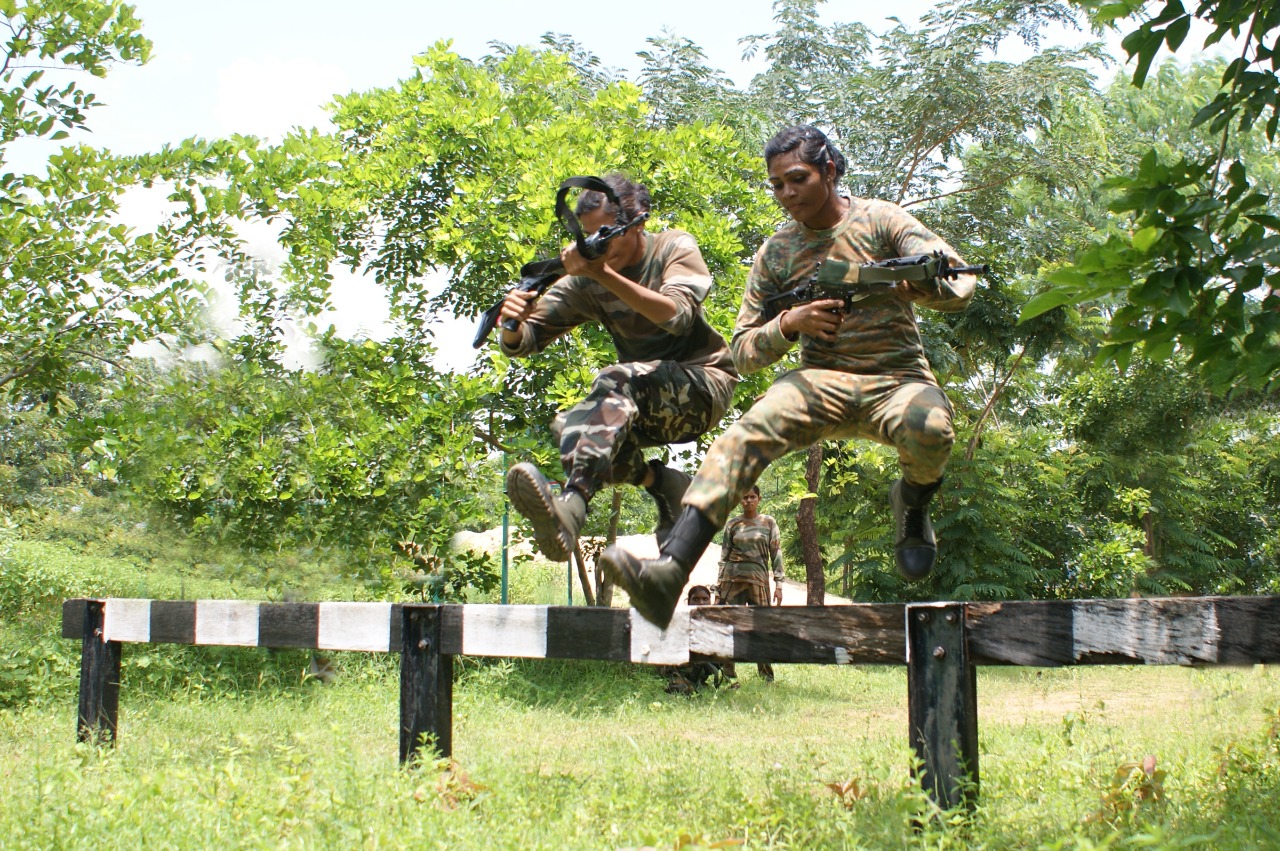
x=674, y=380
x=862, y=373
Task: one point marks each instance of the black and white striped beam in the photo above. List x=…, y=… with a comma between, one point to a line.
x=553, y=632
x=1165, y=631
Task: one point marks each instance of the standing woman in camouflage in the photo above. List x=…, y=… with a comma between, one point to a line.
x=750, y=547
x=674, y=378
x=862, y=373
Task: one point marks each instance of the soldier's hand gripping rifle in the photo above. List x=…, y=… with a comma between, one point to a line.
x=852, y=284
x=537, y=275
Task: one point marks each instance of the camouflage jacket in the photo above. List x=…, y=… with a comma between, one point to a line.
x=749, y=547
x=879, y=336
x=673, y=266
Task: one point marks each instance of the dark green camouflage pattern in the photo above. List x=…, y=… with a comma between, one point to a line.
x=750, y=546
x=632, y=406
x=673, y=266
x=673, y=383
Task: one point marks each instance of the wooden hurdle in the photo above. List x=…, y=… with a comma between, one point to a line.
x=940, y=643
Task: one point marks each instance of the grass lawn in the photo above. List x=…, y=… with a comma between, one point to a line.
x=593, y=755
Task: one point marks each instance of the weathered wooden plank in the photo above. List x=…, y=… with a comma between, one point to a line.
x=653, y=646
x=942, y=703
x=864, y=633
x=73, y=617
x=1249, y=630
x=1020, y=633
x=127, y=619
x=577, y=632
x=1138, y=631
x=355, y=626
x=1147, y=632
x=99, y=703
x=514, y=631
x=173, y=621
x=227, y=623
x=426, y=683
x=450, y=628
x=1158, y=631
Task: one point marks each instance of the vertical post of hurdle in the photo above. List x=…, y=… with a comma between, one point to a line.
x=99, y=709
x=942, y=703
x=426, y=684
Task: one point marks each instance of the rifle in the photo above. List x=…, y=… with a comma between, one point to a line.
x=852, y=284
x=538, y=275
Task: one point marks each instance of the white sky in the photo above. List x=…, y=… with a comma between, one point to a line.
x=263, y=67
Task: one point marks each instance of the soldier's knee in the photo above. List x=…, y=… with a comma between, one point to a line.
x=612, y=378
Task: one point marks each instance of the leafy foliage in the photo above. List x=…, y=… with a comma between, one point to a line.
x=1197, y=269
x=81, y=287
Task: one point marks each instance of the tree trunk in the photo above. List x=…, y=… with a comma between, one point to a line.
x=581, y=563
x=604, y=585
x=807, y=525
x=991, y=403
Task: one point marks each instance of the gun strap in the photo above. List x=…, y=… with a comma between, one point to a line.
x=570, y=220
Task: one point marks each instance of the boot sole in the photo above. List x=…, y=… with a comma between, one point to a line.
x=899, y=548
x=534, y=499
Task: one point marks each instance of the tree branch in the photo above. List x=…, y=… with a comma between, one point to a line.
x=995, y=394
x=961, y=191
x=489, y=439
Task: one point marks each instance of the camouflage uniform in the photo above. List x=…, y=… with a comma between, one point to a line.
x=750, y=543
x=872, y=381
x=673, y=381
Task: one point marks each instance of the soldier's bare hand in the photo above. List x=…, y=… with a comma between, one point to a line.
x=908, y=291
x=518, y=305
x=818, y=319
x=576, y=264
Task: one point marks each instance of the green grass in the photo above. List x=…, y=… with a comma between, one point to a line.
x=583, y=755
x=232, y=747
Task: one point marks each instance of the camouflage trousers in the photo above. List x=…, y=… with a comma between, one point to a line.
x=745, y=591
x=632, y=406
x=810, y=405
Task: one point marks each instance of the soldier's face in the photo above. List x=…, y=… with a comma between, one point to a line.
x=625, y=250
x=802, y=189
x=751, y=501
x=700, y=598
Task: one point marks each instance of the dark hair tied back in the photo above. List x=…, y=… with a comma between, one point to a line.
x=634, y=198
x=812, y=145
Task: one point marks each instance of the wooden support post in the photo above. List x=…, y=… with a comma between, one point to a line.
x=426, y=683
x=942, y=702
x=99, y=679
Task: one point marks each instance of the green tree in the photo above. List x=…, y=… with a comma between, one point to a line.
x=1196, y=269
x=81, y=287
x=440, y=188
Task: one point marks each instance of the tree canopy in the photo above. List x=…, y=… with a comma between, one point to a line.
x=1097, y=454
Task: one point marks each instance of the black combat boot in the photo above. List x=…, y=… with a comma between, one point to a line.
x=669, y=485
x=556, y=520
x=654, y=584
x=914, y=547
